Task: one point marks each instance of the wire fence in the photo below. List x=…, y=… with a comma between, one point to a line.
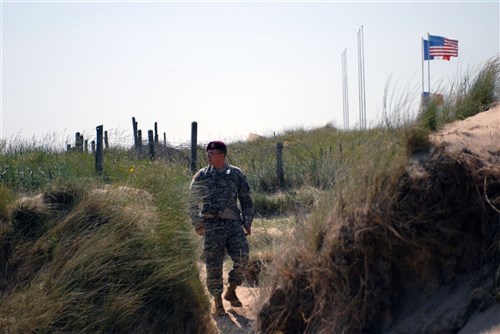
x=269, y=164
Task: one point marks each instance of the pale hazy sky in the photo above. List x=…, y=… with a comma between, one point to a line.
x=233, y=67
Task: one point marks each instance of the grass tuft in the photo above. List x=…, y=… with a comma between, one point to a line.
x=99, y=261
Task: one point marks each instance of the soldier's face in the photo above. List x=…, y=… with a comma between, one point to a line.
x=215, y=157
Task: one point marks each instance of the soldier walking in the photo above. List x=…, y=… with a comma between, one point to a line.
x=214, y=192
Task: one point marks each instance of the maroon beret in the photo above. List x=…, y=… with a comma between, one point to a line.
x=217, y=145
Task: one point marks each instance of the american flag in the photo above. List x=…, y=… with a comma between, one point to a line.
x=427, y=56
x=442, y=47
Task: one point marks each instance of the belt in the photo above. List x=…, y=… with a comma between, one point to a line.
x=218, y=219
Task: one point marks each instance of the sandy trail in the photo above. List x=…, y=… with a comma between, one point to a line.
x=237, y=320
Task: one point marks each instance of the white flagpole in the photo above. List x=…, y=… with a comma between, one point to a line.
x=361, y=79
x=345, y=90
x=429, y=65
x=423, y=58
x=363, y=67
x=360, y=103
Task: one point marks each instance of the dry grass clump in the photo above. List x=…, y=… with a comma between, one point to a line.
x=362, y=267
x=398, y=227
x=95, y=262
x=6, y=197
x=470, y=96
x=281, y=203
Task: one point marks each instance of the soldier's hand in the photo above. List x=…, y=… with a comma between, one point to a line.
x=248, y=230
x=199, y=228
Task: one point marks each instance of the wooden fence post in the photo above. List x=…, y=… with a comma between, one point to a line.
x=151, y=145
x=92, y=145
x=139, y=142
x=134, y=126
x=156, y=133
x=194, y=145
x=165, y=139
x=106, y=142
x=78, y=141
x=98, y=151
x=279, y=164
x=86, y=145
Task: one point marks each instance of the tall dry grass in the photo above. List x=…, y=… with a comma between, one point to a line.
x=99, y=255
x=381, y=235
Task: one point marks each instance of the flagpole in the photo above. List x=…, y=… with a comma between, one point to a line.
x=360, y=85
x=361, y=80
x=429, y=65
x=423, y=58
x=363, y=67
x=345, y=91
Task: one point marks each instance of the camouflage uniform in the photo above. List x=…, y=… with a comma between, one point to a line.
x=217, y=192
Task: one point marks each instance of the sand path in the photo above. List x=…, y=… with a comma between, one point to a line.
x=237, y=320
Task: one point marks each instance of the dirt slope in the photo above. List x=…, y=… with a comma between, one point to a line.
x=477, y=136
x=427, y=261
x=469, y=303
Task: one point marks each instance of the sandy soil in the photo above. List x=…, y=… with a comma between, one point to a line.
x=478, y=135
x=237, y=320
x=472, y=138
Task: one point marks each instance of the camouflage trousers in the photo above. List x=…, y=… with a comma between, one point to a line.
x=221, y=236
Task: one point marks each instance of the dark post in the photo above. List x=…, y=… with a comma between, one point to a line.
x=194, y=144
x=134, y=126
x=165, y=138
x=156, y=133
x=139, y=142
x=92, y=145
x=106, y=142
x=68, y=147
x=86, y=145
x=279, y=164
x=78, y=141
x=151, y=145
x=98, y=151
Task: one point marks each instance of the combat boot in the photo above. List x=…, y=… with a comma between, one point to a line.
x=231, y=297
x=219, y=307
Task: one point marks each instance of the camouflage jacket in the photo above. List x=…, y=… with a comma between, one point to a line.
x=217, y=194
